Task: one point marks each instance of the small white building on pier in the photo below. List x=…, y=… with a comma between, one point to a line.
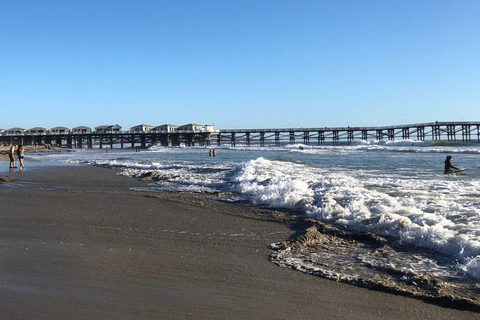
x=165, y=128
x=108, y=129
x=142, y=128
x=82, y=130
x=37, y=131
x=59, y=130
x=15, y=131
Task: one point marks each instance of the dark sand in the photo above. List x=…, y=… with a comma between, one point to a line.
x=76, y=243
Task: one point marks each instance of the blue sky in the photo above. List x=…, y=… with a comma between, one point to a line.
x=238, y=64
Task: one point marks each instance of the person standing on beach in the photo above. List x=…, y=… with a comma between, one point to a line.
x=21, y=156
x=11, y=154
x=448, y=165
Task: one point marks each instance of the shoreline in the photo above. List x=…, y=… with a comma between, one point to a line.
x=76, y=242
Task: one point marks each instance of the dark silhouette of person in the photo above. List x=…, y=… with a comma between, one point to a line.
x=448, y=165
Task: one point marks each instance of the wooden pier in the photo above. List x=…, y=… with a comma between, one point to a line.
x=466, y=132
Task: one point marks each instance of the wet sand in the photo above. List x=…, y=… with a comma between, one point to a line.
x=77, y=243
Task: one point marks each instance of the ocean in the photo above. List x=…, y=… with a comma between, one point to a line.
x=378, y=214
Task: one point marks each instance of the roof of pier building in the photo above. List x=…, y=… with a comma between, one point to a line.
x=59, y=128
x=15, y=129
x=165, y=128
x=37, y=129
x=82, y=128
x=142, y=128
x=108, y=128
x=166, y=125
x=192, y=126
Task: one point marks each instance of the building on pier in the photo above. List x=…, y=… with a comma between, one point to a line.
x=165, y=128
x=114, y=128
x=81, y=130
x=142, y=128
x=59, y=130
x=192, y=127
x=36, y=131
x=15, y=131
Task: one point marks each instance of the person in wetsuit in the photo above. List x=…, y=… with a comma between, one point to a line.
x=448, y=165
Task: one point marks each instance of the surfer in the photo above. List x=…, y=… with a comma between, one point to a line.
x=448, y=165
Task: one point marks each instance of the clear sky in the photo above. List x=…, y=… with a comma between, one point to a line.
x=238, y=63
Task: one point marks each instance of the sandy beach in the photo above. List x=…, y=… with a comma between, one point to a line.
x=77, y=243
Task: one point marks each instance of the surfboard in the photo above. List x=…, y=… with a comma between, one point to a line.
x=459, y=170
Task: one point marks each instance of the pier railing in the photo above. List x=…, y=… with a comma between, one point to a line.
x=464, y=131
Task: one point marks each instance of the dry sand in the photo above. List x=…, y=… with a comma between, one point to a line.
x=76, y=243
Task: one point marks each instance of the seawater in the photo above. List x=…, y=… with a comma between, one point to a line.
x=429, y=222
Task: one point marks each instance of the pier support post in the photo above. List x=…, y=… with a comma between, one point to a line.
x=175, y=139
x=391, y=134
x=466, y=133
x=451, y=133
x=232, y=139
x=321, y=138
x=292, y=137
x=164, y=140
x=154, y=138
x=365, y=135
x=336, y=137
x=306, y=137
x=421, y=133
x=208, y=139
x=350, y=136
x=277, y=139
x=436, y=132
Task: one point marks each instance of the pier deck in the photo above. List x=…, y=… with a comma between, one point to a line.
x=467, y=132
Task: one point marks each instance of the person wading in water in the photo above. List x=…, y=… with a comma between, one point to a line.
x=448, y=165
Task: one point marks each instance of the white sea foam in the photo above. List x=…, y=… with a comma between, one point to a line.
x=404, y=209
